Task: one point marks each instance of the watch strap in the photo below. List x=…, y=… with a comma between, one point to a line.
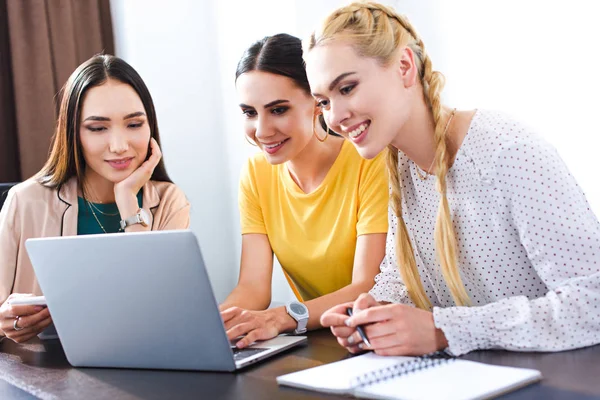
x=301, y=327
x=301, y=322
x=134, y=219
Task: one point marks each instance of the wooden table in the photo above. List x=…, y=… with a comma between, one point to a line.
x=40, y=370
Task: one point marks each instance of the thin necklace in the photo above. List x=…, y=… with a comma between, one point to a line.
x=96, y=217
x=90, y=204
x=105, y=214
x=427, y=173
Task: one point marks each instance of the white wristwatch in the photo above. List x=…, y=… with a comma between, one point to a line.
x=299, y=312
x=140, y=217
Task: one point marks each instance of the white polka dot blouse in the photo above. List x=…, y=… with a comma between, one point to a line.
x=528, y=244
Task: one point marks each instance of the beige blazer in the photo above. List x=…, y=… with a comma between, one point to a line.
x=32, y=211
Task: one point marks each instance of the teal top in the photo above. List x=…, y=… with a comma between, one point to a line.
x=92, y=215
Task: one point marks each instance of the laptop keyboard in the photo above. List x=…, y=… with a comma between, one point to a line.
x=240, y=354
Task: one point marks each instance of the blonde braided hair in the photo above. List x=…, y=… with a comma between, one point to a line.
x=377, y=31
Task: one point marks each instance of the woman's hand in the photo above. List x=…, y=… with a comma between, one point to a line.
x=335, y=317
x=392, y=329
x=29, y=320
x=127, y=190
x=256, y=325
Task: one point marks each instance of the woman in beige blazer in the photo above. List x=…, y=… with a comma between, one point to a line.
x=105, y=172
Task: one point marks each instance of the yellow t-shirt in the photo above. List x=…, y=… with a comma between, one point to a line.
x=314, y=235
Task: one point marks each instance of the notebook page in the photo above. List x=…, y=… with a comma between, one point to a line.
x=337, y=377
x=456, y=380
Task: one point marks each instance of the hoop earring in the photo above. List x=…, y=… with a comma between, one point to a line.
x=251, y=143
x=315, y=132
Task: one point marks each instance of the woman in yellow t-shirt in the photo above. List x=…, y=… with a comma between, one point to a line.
x=308, y=197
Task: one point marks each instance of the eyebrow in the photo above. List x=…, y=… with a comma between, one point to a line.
x=271, y=104
x=128, y=116
x=135, y=114
x=336, y=81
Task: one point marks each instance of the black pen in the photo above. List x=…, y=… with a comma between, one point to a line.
x=359, y=328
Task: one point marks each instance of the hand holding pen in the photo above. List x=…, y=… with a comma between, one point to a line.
x=359, y=328
x=350, y=337
x=386, y=329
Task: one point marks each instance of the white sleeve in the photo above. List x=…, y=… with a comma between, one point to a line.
x=388, y=283
x=561, y=236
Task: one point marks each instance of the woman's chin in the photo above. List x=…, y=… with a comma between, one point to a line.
x=117, y=176
x=370, y=151
x=275, y=160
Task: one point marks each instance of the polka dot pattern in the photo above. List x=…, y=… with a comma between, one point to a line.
x=528, y=244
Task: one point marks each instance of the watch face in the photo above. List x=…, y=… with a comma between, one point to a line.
x=297, y=308
x=145, y=217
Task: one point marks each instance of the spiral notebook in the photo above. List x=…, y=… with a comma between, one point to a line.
x=376, y=377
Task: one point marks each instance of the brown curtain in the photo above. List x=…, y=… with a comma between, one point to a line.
x=41, y=44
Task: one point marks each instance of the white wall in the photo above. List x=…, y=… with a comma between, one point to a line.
x=236, y=31
x=537, y=60
x=534, y=59
x=171, y=46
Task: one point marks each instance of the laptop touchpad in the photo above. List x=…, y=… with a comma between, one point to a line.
x=240, y=354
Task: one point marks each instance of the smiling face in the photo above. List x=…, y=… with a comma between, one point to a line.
x=114, y=131
x=362, y=100
x=278, y=115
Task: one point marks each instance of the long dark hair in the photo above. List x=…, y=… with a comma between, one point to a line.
x=66, y=157
x=279, y=54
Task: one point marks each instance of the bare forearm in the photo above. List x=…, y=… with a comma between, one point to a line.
x=318, y=306
x=370, y=250
x=246, y=297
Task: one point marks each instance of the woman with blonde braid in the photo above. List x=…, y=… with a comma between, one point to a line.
x=495, y=242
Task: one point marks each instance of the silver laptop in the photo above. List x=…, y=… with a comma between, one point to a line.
x=138, y=300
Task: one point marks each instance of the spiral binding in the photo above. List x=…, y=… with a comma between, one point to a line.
x=417, y=364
